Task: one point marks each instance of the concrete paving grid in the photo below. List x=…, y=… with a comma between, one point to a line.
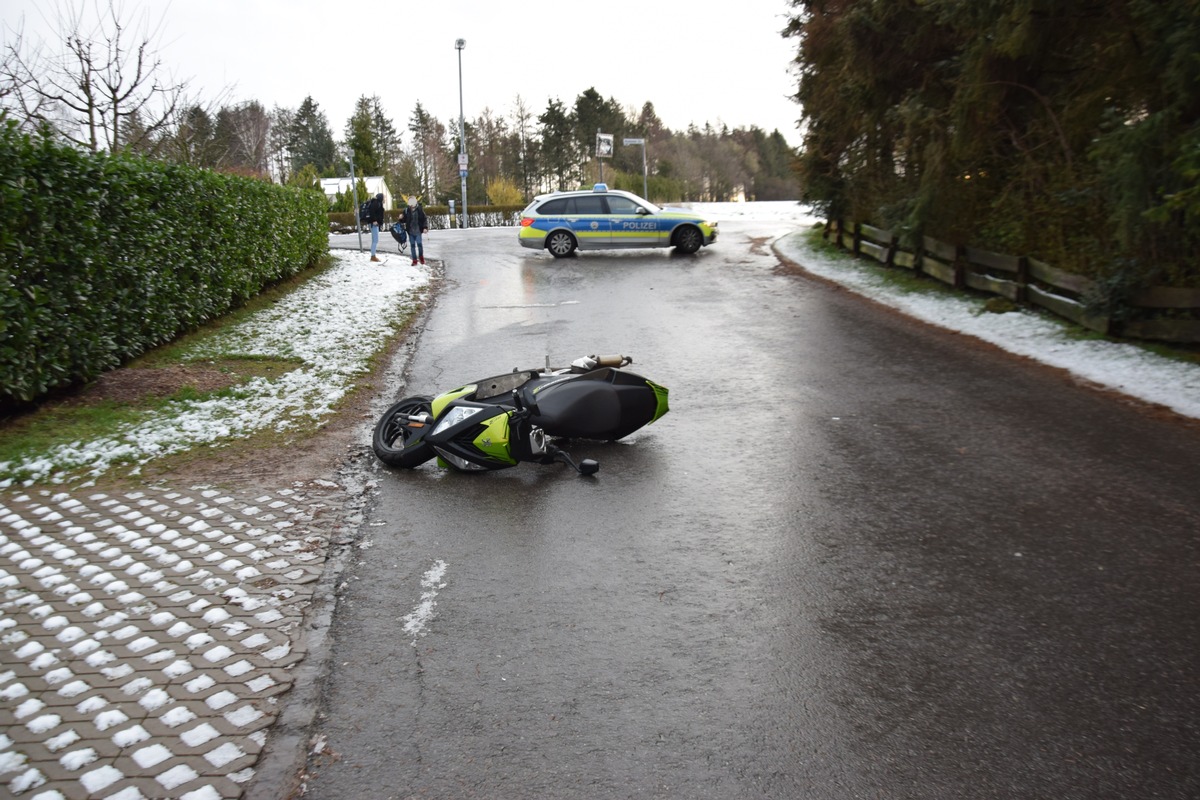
x=145, y=636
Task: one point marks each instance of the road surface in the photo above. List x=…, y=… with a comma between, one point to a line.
x=860, y=557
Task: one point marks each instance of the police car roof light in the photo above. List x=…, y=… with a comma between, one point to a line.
x=600, y=187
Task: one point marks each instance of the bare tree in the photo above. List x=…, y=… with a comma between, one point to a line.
x=6, y=83
x=13, y=82
x=523, y=118
x=103, y=88
x=429, y=153
x=281, y=143
x=244, y=129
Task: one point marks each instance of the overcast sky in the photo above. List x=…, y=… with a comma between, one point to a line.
x=697, y=63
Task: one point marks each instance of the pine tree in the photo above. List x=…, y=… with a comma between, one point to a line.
x=560, y=155
x=312, y=141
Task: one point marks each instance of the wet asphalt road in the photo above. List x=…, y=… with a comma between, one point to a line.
x=860, y=558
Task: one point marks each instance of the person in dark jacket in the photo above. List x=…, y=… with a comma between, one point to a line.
x=375, y=217
x=416, y=223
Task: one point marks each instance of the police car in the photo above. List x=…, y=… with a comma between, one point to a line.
x=604, y=219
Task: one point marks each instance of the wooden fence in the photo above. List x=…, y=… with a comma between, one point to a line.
x=1029, y=282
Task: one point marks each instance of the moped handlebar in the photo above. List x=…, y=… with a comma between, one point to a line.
x=612, y=361
x=591, y=362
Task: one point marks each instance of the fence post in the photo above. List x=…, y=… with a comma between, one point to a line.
x=1023, y=279
x=857, y=239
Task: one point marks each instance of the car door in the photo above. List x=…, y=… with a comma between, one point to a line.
x=631, y=225
x=587, y=217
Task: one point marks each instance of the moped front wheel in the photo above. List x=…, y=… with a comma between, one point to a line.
x=399, y=441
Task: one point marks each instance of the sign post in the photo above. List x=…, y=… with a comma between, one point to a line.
x=459, y=44
x=604, y=149
x=642, y=142
x=462, y=174
x=354, y=193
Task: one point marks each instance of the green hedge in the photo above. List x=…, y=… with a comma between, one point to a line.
x=104, y=257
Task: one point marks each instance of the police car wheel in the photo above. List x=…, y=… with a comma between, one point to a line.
x=688, y=239
x=560, y=244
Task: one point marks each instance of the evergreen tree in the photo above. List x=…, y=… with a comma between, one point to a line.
x=360, y=138
x=1068, y=131
x=387, y=139
x=194, y=139
x=650, y=126
x=372, y=137
x=560, y=154
x=593, y=115
x=312, y=141
x=775, y=176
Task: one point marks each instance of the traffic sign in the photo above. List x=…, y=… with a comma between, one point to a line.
x=604, y=145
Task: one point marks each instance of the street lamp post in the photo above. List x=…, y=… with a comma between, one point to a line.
x=459, y=44
x=354, y=194
x=642, y=142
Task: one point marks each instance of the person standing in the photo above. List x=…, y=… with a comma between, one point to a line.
x=416, y=223
x=375, y=217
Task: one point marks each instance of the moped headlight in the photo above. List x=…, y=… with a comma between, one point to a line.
x=455, y=416
x=459, y=462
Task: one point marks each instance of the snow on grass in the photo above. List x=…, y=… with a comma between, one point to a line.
x=1126, y=368
x=334, y=323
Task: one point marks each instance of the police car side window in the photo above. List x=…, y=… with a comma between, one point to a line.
x=553, y=207
x=621, y=205
x=589, y=204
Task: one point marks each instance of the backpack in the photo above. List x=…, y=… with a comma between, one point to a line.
x=399, y=234
x=364, y=212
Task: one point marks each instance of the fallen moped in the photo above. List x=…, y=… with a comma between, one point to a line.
x=502, y=421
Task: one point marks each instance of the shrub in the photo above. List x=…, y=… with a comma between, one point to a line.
x=103, y=257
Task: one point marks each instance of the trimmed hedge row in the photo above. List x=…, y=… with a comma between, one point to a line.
x=104, y=257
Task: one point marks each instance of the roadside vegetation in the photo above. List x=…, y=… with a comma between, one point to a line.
x=274, y=371
x=1068, y=132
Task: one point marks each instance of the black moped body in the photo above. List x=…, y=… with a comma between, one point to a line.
x=501, y=421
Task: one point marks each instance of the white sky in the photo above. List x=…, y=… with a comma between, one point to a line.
x=724, y=64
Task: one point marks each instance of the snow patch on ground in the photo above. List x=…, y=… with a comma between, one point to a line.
x=1122, y=367
x=334, y=324
x=416, y=621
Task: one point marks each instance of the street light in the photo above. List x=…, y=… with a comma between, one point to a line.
x=459, y=44
x=354, y=193
x=642, y=142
